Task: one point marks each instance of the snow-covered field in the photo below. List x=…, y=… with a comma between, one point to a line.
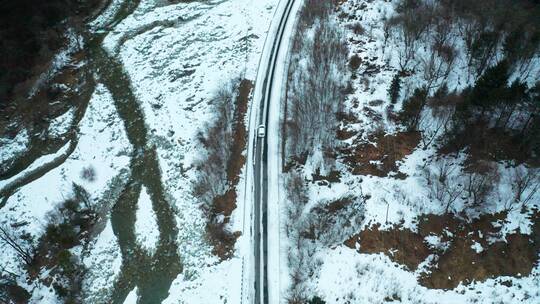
x=102, y=147
x=349, y=277
x=176, y=56
x=103, y=261
x=146, y=227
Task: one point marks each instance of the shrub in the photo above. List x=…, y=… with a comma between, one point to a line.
x=63, y=235
x=354, y=62
x=357, y=28
x=317, y=300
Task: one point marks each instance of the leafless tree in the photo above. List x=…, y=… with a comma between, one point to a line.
x=479, y=182
x=218, y=140
x=316, y=89
x=525, y=183
x=22, y=248
x=443, y=185
x=413, y=20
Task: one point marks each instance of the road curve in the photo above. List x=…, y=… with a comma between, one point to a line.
x=260, y=216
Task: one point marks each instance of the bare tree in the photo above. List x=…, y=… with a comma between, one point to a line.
x=316, y=88
x=218, y=140
x=443, y=185
x=22, y=248
x=413, y=20
x=525, y=183
x=479, y=182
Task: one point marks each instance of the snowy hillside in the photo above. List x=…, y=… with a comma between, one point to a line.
x=270, y=151
x=385, y=213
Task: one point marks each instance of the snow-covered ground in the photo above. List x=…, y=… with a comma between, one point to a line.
x=12, y=147
x=146, y=228
x=406, y=199
x=349, y=277
x=102, y=148
x=103, y=261
x=131, y=297
x=176, y=56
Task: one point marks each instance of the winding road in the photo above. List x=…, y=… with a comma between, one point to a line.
x=267, y=99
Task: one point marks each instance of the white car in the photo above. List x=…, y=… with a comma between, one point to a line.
x=261, y=131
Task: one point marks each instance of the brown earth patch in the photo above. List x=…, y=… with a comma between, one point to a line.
x=222, y=241
x=237, y=160
x=402, y=246
x=344, y=133
x=458, y=263
x=380, y=158
x=339, y=204
x=295, y=162
x=225, y=204
x=347, y=118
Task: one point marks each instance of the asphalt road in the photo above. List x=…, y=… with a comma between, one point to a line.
x=261, y=168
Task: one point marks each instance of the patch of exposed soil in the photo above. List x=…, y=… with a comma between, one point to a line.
x=456, y=262
x=237, y=161
x=295, y=162
x=14, y=293
x=225, y=204
x=339, y=204
x=344, y=133
x=381, y=157
x=402, y=246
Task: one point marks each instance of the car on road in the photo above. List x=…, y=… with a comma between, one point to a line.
x=261, y=131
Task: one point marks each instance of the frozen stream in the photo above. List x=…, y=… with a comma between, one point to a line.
x=152, y=274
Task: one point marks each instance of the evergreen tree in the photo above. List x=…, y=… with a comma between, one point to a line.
x=515, y=94
x=441, y=92
x=395, y=87
x=491, y=87
x=532, y=124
